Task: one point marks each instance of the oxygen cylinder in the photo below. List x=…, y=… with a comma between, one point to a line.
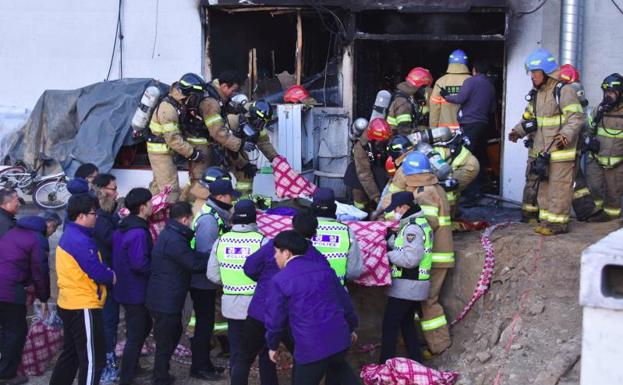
x=381, y=104
x=432, y=136
x=141, y=117
x=358, y=127
x=439, y=166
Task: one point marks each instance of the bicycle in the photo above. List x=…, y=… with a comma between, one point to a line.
x=47, y=191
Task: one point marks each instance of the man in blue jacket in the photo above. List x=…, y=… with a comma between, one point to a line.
x=308, y=297
x=23, y=260
x=131, y=259
x=173, y=263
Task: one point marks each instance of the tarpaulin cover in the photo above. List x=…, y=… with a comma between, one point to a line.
x=86, y=125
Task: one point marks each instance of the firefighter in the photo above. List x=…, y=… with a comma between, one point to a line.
x=529, y=207
x=165, y=137
x=366, y=173
x=252, y=128
x=583, y=204
x=415, y=175
x=443, y=113
x=605, y=145
x=558, y=120
x=408, y=108
x=298, y=95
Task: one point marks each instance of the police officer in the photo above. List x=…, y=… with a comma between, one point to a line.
x=366, y=173
x=443, y=113
x=411, y=259
x=335, y=240
x=605, y=164
x=166, y=134
x=557, y=123
x=408, y=108
x=225, y=268
x=415, y=175
x=201, y=191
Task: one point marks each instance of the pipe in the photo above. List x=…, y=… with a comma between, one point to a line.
x=571, y=32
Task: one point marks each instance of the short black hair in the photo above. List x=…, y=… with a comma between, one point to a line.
x=81, y=204
x=85, y=170
x=481, y=67
x=5, y=194
x=292, y=241
x=51, y=216
x=305, y=223
x=103, y=180
x=230, y=78
x=137, y=197
x=180, y=210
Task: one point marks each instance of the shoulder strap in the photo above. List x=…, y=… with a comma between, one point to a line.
x=558, y=91
x=213, y=93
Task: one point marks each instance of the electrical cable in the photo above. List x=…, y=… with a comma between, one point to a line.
x=617, y=6
x=120, y=42
x=114, y=47
x=520, y=14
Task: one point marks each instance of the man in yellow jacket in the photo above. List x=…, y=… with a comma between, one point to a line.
x=558, y=120
x=443, y=113
x=82, y=280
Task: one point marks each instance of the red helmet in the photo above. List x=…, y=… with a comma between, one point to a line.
x=419, y=77
x=379, y=130
x=295, y=94
x=390, y=166
x=569, y=74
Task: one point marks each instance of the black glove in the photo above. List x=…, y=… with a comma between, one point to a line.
x=443, y=92
x=249, y=170
x=590, y=144
x=196, y=156
x=449, y=184
x=248, y=146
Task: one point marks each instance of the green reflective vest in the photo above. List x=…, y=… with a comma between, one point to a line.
x=423, y=270
x=232, y=251
x=333, y=241
x=207, y=210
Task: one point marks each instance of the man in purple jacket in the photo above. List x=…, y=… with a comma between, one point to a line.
x=22, y=261
x=478, y=104
x=262, y=267
x=308, y=297
x=131, y=259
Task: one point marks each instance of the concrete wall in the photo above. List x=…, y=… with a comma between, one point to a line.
x=66, y=44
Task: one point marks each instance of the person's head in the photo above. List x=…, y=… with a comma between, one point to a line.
x=52, y=221
x=106, y=185
x=323, y=203
x=87, y=171
x=305, y=223
x=9, y=200
x=457, y=56
x=480, y=67
x=612, y=86
x=244, y=213
x=287, y=245
x=230, y=82
x=540, y=63
x=138, y=201
x=182, y=212
x=221, y=190
x=82, y=210
x=402, y=203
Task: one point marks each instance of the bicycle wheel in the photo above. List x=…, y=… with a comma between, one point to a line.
x=51, y=194
x=11, y=176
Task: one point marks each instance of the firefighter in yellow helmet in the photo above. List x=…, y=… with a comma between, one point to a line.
x=558, y=120
x=443, y=113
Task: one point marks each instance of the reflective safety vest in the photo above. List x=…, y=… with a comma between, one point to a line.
x=232, y=251
x=456, y=161
x=206, y=209
x=333, y=241
x=422, y=272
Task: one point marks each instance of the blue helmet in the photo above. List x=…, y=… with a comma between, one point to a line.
x=458, y=56
x=416, y=163
x=541, y=59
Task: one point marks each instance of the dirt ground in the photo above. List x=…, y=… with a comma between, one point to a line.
x=526, y=329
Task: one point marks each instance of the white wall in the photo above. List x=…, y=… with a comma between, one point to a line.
x=67, y=44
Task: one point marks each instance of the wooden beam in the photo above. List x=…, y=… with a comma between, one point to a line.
x=426, y=37
x=299, y=48
x=250, y=73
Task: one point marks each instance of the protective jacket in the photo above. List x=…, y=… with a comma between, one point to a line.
x=443, y=113
x=211, y=110
x=556, y=115
x=364, y=169
x=404, y=111
x=432, y=199
x=609, y=133
x=166, y=133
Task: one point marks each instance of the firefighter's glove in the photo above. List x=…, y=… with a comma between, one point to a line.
x=561, y=141
x=443, y=92
x=196, y=156
x=249, y=170
x=513, y=136
x=249, y=146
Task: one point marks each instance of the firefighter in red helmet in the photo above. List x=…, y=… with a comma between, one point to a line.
x=408, y=108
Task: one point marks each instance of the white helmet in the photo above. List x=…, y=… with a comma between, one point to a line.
x=358, y=127
x=237, y=102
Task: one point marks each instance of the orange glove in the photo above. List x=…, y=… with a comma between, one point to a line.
x=561, y=141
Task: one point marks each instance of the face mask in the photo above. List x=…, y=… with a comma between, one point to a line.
x=397, y=216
